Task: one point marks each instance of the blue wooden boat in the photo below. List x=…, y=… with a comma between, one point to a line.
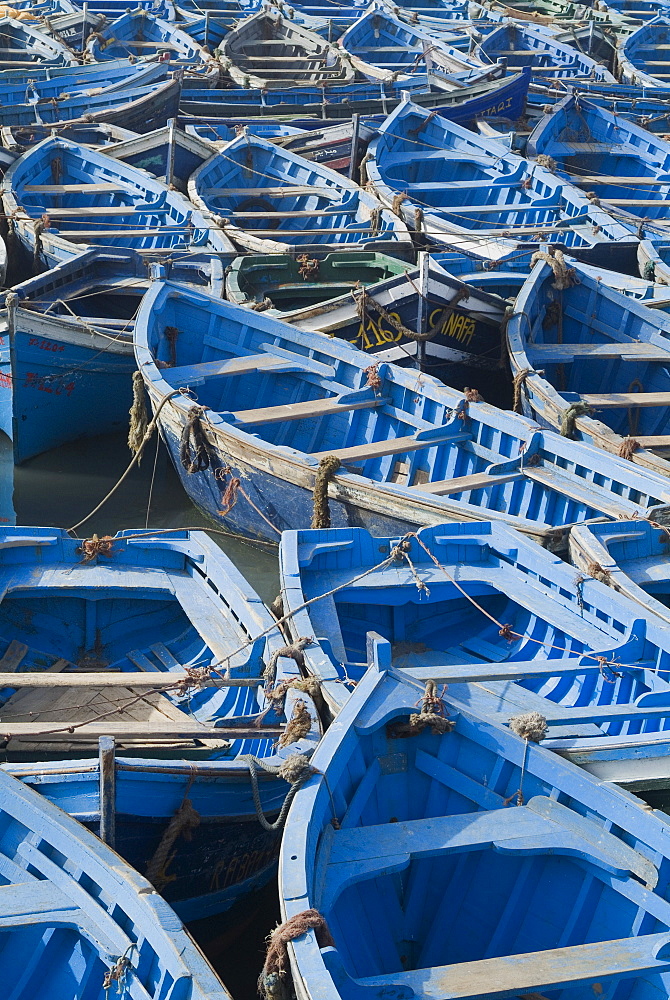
x=23, y=45
x=421, y=316
x=411, y=451
x=630, y=558
x=422, y=874
x=61, y=195
x=143, y=614
x=17, y=139
x=219, y=131
x=138, y=33
x=136, y=108
x=471, y=193
x=505, y=98
x=269, y=52
x=647, y=106
x=73, y=29
x=621, y=164
x=69, y=339
x=270, y=200
x=112, y=9
x=508, y=627
x=89, y=925
x=169, y=153
x=604, y=359
x=383, y=47
x=642, y=57
x=53, y=81
x=550, y=59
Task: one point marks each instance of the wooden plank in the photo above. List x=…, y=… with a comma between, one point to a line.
x=534, y=974
x=302, y=411
x=461, y=484
x=74, y=188
x=558, y=353
x=14, y=654
x=582, y=181
x=654, y=440
x=104, y=679
x=287, y=191
x=231, y=366
x=302, y=214
x=478, y=673
x=614, y=400
x=633, y=202
x=81, y=235
x=101, y=210
x=395, y=446
x=132, y=730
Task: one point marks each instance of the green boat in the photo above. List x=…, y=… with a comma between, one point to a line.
x=284, y=282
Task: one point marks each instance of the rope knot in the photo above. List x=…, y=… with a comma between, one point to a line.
x=531, y=726
x=308, y=267
x=569, y=417
x=472, y=395
x=595, y=570
x=294, y=651
x=506, y=632
x=93, y=547
x=295, y=768
x=564, y=276
x=276, y=963
x=546, y=161
x=628, y=447
x=372, y=378
x=517, y=384
x=298, y=726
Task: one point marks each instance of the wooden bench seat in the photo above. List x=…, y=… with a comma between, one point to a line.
x=633, y=351
x=90, y=211
x=533, y=974
x=654, y=440
x=616, y=400
x=67, y=188
x=309, y=409
x=195, y=374
x=395, y=446
x=464, y=484
x=286, y=191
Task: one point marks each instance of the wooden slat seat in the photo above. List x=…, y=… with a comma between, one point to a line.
x=581, y=491
x=464, y=484
x=35, y=901
x=89, y=211
x=535, y=974
x=395, y=446
x=286, y=191
x=311, y=408
x=615, y=400
x=559, y=353
x=583, y=181
x=14, y=655
x=67, y=188
x=116, y=679
x=81, y=235
x=654, y=440
x=194, y=374
x=136, y=731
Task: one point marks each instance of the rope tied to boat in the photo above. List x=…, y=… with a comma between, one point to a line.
x=543, y=160
x=518, y=383
x=595, y=570
x=44, y=222
x=375, y=220
x=272, y=982
x=564, y=276
x=569, y=417
x=183, y=823
x=530, y=726
x=307, y=685
x=363, y=169
x=418, y=220
x=308, y=267
x=297, y=727
x=194, y=453
x=430, y=717
x=473, y=395
x=295, y=770
x=328, y=466
x=604, y=666
x=139, y=418
x=117, y=973
x=294, y=650
x=628, y=447
x=93, y=547
x=396, y=204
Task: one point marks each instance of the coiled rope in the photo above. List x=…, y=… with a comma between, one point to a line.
x=272, y=982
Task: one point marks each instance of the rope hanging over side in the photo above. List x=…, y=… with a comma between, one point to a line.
x=298, y=726
x=272, y=983
x=193, y=436
x=139, y=420
x=296, y=769
x=517, y=385
x=564, y=276
x=182, y=824
x=569, y=417
x=294, y=651
x=595, y=570
x=543, y=160
x=328, y=466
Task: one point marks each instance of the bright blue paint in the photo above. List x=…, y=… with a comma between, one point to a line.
x=167, y=602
